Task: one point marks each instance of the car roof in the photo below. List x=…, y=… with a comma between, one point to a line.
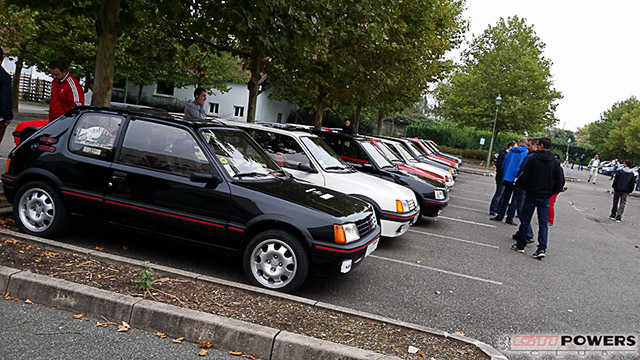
x=295, y=131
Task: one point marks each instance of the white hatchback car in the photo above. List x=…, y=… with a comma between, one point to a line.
x=308, y=158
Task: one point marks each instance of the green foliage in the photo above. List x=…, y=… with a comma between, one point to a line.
x=507, y=59
x=146, y=274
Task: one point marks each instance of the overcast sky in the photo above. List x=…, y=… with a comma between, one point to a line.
x=594, y=47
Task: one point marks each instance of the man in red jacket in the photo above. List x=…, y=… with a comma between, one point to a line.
x=66, y=92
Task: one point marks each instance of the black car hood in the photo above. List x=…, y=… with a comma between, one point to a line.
x=406, y=174
x=315, y=197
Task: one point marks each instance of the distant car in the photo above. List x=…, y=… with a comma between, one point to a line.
x=311, y=160
x=24, y=129
x=190, y=180
x=602, y=165
x=364, y=156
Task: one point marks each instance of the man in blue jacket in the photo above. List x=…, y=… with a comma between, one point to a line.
x=6, y=113
x=542, y=176
x=510, y=168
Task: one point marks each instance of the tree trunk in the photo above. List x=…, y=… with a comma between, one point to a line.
x=254, y=86
x=16, y=83
x=379, y=125
x=108, y=28
x=356, y=120
x=317, y=120
x=140, y=86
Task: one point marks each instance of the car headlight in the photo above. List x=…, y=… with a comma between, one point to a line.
x=402, y=206
x=439, y=194
x=346, y=233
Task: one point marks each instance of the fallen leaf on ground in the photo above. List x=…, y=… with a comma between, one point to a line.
x=236, y=353
x=202, y=352
x=68, y=264
x=28, y=301
x=29, y=247
x=112, y=279
x=98, y=323
x=422, y=354
x=79, y=316
x=367, y=322
x=437, y=292
x=251, y=356
x=11, y=241
x=123, y=327
x=160, y=335
x=38, y=260
x=99, y=248
x=125, y=247
x=178, y=340
x=164, y=279
x=459, y=333
x=50, y=254
x=204, y=345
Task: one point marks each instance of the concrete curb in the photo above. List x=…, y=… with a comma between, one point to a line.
x=231, y=334
x=483, y=172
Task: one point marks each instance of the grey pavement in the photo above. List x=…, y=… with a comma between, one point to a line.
x=32, y=331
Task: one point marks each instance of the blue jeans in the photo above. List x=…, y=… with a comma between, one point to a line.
x=519, y=200
x=532, y=204
x=495, y=201
x=509, y=187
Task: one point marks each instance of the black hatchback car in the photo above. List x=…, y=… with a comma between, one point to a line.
x=363, y=155
x=193, y=180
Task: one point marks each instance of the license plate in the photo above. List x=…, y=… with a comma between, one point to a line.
x=372, y=247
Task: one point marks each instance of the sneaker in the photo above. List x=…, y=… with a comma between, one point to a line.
x=618, y=219
x=495, y=218
x=515, y=238
x=515, y=248
x=538, y=255
x=511, y=223
x=612, y=217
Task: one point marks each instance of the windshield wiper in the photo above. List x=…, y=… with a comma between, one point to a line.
x=251, y=174
x=335, y=168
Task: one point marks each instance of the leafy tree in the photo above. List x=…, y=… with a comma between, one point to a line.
x=624, y=138
x=506, y=59
x=598, y=131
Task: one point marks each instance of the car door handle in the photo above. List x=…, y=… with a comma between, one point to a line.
x=119, y=176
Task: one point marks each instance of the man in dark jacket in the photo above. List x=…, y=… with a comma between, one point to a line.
x=623, y=185
x=493, y=208
x=6, y=114
x=542, y=176
x=348, y=128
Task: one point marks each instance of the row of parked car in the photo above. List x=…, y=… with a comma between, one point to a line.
x=284, y=199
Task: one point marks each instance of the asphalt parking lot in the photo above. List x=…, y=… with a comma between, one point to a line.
x=457, y=272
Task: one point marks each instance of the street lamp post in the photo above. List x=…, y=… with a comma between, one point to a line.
x=568, y=142
x=493, y=133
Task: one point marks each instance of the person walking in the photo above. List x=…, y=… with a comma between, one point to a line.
x=593, y=168
x=574, y=157
x=623, y=185
x=510, y=168
x=615, y=166
x=541, y=177
x=495, y=201
x=6, y=112
x=66, y=92
x=581, y=162
x=195, y=108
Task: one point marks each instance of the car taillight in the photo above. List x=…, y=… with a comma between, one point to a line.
x=48, y=148
x=48, y=140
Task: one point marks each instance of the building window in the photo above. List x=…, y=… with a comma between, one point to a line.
x=238, y=111
x=164, y=88
x=213, y=108
x=279, y=118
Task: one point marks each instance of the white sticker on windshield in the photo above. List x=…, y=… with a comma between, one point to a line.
x=326, y=196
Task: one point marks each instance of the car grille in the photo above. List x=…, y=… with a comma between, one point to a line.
x=366, y=226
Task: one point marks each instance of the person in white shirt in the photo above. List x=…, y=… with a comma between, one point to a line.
x=89, y=94
x=593, y=168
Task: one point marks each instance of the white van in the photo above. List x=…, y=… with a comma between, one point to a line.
x=308, y=158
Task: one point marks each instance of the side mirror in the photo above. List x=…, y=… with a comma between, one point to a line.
x=306, y=168
x=201, y=176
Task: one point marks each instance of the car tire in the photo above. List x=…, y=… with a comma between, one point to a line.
x=39, y=210
x=276, y=260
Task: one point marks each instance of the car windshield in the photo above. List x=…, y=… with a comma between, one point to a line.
x=404, y=152
x=326, y=157
x=376, y=155
x=239, y=155
x=388, y=152
x=427, y=147
x=416, y=148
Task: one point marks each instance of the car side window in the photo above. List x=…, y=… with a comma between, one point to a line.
x=94, y=135
x=162, y=147
x=285, y=150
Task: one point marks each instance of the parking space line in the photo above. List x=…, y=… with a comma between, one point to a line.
x=467, y=199
x=467, y=221
x=466, y=208
x=469, y=191
x=455, y=239
x=438, y=270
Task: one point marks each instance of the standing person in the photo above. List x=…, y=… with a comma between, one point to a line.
x=348, y=128
x=510, y=168
x=593, y=168
x=615, y=165
x=581, y=162
x=566, y=160
x=89, y=94
x=495, y=201
x=541, y=177
x=6, y=112
x=195, y=109
x=519, y=193
x=552, y=206
x=66, y=92
x=574, y=157
x=622, y=186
